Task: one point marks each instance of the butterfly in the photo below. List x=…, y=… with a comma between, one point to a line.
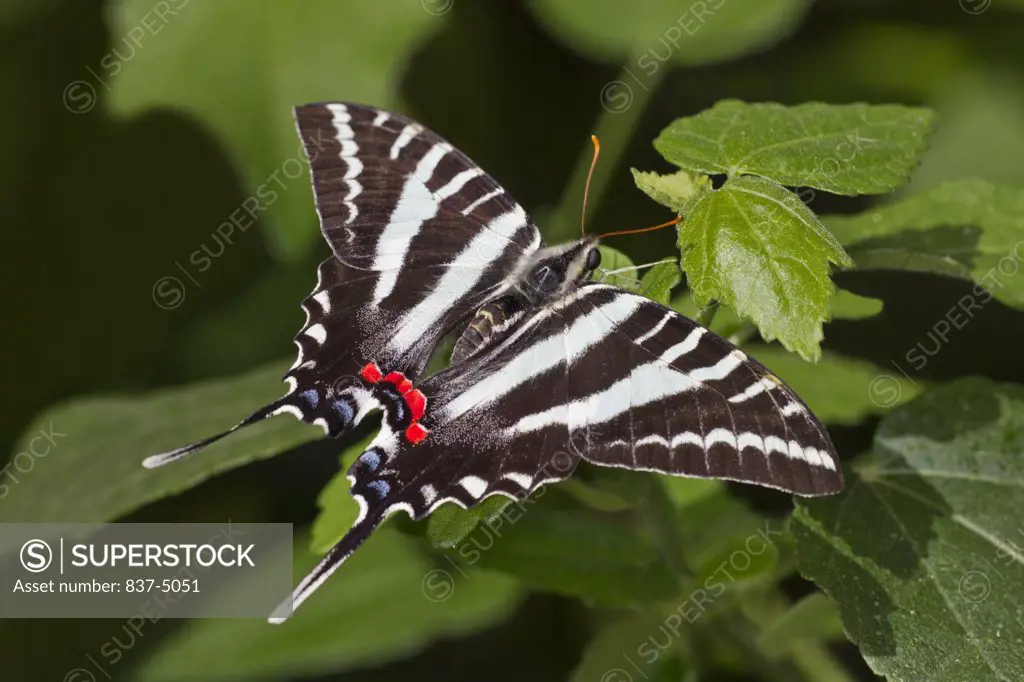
x=426, y=245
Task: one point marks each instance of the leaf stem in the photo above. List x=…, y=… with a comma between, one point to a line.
x=707, y=315
x=623, y=101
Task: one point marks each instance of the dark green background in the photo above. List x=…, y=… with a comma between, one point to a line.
x=95, y=208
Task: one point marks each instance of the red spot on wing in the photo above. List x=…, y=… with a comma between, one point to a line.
x=371, y=372
x=416, y=433
x=414, y=399
x=417, y=403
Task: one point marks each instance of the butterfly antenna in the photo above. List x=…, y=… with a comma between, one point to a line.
x=675, y=221
x=586, y=188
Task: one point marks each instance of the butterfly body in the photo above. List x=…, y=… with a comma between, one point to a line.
x=550, y=367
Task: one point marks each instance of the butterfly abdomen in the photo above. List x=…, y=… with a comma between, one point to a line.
x=489, y=323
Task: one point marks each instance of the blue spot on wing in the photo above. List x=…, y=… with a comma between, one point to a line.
x=381, y=487
x=371, y=459
x=311, y=396
x=344, y=410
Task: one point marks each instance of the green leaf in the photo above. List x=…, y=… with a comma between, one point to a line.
x=845, y=149
x=650, y=32
x=552, y=543
x=613, y=259
x=95, y=471
x=267, y=62
x=338, y=509
x=625, y=646
x=969, y=229
x=374, y=610
x=659, y=281
x=672, y=191
x=757, y=248
x=450, y=524
x=812, y=620
x=922, y=552
x=847, y=305
x=838, y=389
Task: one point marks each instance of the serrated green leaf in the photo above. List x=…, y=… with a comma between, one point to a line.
x=613, y=259
x=812, y=620
x=754, y=246
x=450, y=524
x=375, y=612
x=266, y=65
x=98, y=474
x=969, y=229
x=338, y=509
x=838, y=389
x=672, y=191
x=652, y=32
x=659, y=281
x=552, y=543
x=845, y=149
x=922, y=552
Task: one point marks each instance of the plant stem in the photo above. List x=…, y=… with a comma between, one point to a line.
x=706, y=315
x=623, y=101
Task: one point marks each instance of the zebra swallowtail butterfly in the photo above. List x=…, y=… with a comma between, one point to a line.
x=424, y=243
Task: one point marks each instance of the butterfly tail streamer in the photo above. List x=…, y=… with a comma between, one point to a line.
x=356, y=535
x=155, y=461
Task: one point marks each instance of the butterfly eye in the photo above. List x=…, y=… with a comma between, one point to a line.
x=547, y=279
x=593, y=260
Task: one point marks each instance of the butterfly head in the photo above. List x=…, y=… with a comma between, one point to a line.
x=560, y=268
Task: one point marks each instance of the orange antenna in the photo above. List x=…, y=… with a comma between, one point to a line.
x=674, y=221
x=586, y=189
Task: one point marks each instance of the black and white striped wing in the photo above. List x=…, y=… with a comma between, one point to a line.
x=433, y=235
x=421, y=238
x=642, y=386
x=603, y=375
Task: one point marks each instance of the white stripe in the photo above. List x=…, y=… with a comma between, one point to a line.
x=415, y=206
x=461, y=276
x=381, y=118
x=457, y=183
x=657, y=328
x=408, y=132
x=317, y=333
x=683, y=347
x=487, y=197
x=339, y=113
x=720, y=436
x=474, y=485
x=349, y=149
x=645, y=384
x=361, y=501
x=524, y=481
x=289, y=409
x=585, y=332
x=323, y=299
x=791, y=409
x=720, y=369
x=750, y=440
x=754, y=389
x=747, y=439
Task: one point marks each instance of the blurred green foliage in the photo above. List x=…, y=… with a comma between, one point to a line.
x=145, y=306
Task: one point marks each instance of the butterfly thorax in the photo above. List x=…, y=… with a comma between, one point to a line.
x=550, y=274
